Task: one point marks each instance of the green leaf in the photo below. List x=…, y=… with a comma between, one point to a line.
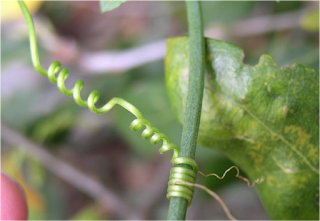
x=265, y=118
x=109, y=5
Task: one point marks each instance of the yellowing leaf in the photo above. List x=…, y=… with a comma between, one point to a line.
x=10, y=10
x=265, y=118
x=310, y=22
x=90, y=212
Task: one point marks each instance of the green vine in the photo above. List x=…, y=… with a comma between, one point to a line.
x=176, y=188
x=178, y=206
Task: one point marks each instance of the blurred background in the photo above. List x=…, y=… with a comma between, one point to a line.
x=75, y=165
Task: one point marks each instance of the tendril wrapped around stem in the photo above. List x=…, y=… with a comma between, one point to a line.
x=179, y=175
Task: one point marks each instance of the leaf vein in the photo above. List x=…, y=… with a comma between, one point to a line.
x=283, y=140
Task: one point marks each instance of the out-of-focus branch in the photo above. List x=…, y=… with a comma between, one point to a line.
x=119, y=61
x=104, y=61
x=260, y=25
x=71, y=175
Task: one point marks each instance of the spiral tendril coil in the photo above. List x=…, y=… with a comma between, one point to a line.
x=175, y=189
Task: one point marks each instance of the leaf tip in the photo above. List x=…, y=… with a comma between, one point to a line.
x=109, y=5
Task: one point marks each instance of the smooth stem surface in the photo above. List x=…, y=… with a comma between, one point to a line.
x=178, y=206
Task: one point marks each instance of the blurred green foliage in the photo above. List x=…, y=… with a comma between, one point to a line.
x=310, y=22
x=225, y=11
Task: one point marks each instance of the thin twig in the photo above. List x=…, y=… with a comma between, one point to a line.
x=71, y=175
x=213, y=194
x=258, y=181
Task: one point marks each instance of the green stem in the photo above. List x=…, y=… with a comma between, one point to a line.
x=178, y=206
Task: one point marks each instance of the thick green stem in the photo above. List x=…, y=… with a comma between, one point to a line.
x=178, y=206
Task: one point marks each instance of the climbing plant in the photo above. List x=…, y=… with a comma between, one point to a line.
x=265, y=118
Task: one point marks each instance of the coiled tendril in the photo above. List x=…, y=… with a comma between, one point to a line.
x=175, y=189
